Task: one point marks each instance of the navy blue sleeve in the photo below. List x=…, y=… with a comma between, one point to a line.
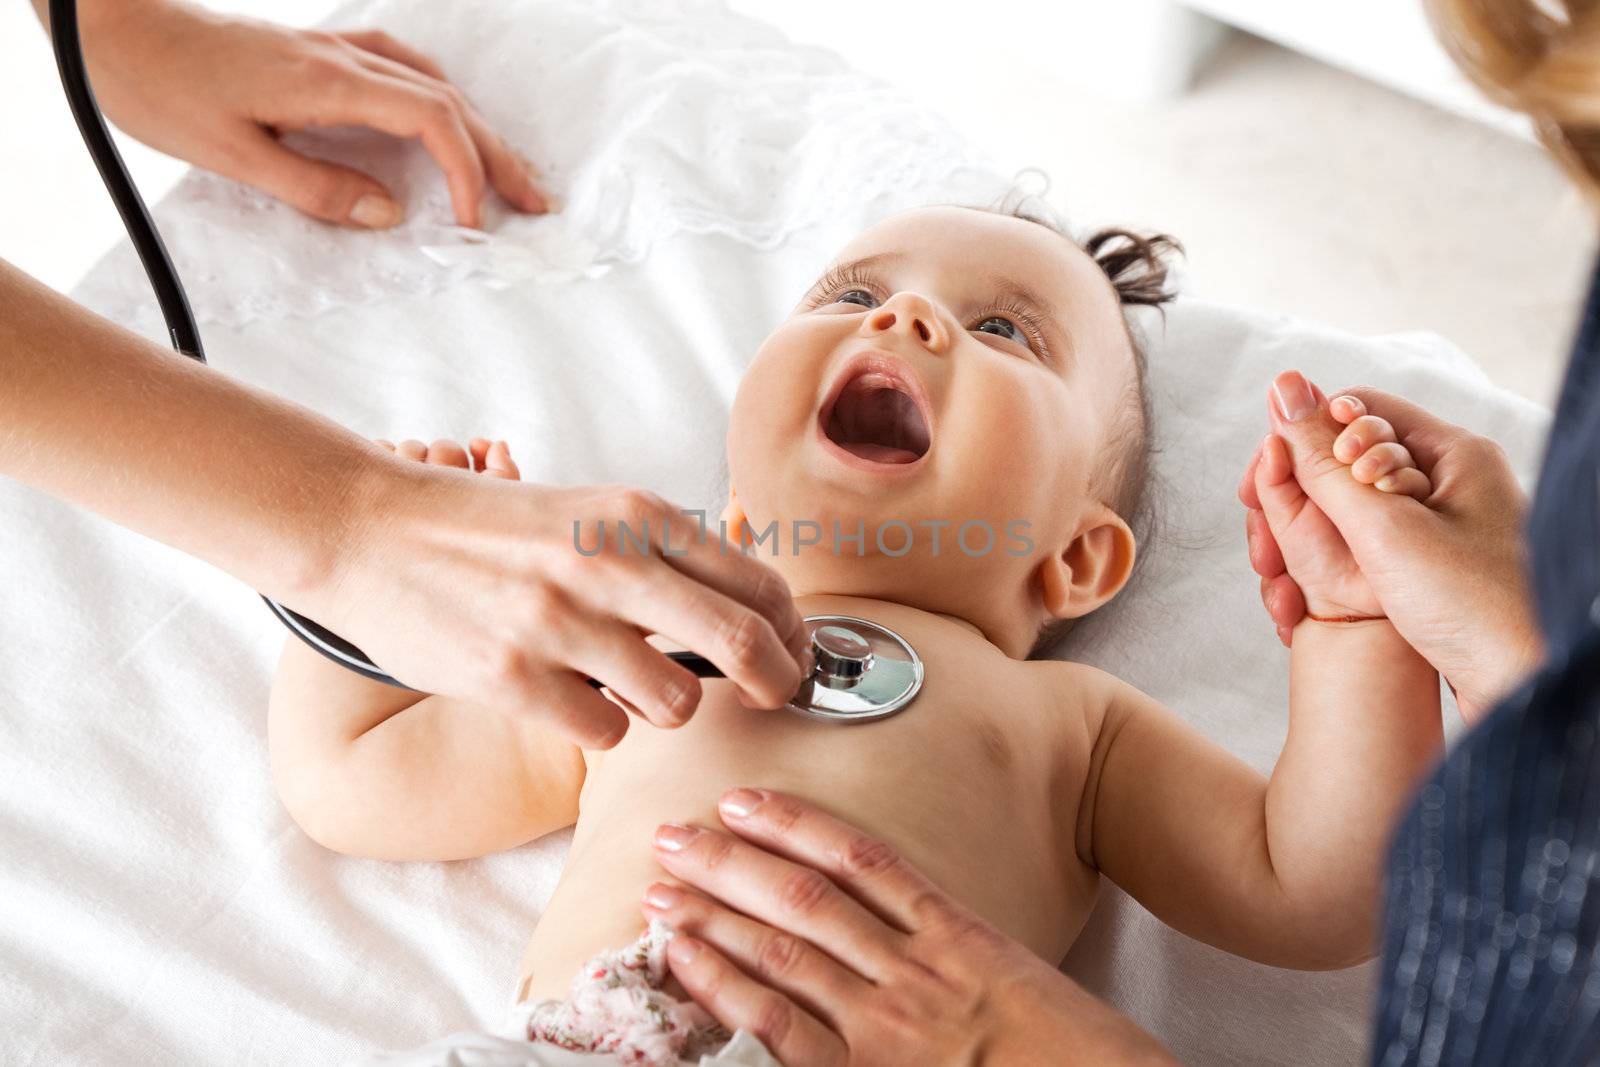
x=1492, y=901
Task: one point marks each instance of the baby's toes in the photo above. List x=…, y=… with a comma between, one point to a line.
x=446, y=453
x=1360, y=436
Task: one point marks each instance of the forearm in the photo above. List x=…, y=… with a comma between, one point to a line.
x=266, y=490
x=93, y=15
x=1364, y=726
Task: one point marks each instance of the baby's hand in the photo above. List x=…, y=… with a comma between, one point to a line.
x=1282, y=519
x=1369, y=446
x=493, y=459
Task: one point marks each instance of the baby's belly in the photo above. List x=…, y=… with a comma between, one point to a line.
x=966, y=803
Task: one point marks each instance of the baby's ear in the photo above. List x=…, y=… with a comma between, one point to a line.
x=1092, y=569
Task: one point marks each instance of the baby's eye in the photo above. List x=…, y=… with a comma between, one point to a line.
x=856, y=296
x=1002, y=327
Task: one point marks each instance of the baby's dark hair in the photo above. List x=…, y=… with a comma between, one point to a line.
x=1137, y=266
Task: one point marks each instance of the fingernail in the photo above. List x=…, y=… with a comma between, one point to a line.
x=1293, y=395
x=808, y=663
x=742, y=802
x=674, y=837
x=684, y=948
x=662, y=897
x=375, y=212
x=1386, y=483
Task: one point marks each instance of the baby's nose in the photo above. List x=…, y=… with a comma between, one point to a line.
x=910, y=314
x=886, y=320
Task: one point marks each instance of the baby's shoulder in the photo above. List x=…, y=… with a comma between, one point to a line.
x=1078, y=690
x=1073, y=679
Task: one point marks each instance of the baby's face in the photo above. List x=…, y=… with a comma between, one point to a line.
x=955, y=372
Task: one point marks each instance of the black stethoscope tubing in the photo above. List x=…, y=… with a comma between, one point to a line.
x=181, y=327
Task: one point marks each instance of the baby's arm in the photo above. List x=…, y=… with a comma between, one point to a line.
x=371, y=770
x=1285, y=871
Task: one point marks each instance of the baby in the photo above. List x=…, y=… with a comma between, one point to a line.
x=956, y=370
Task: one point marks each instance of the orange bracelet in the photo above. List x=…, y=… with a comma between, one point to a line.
x=1346, y=618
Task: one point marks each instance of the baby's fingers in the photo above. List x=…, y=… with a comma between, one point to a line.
x=1389, y=466
x=1266, y=558
x=1247, y=483
x=1363, y=433
x=1408, y=481
x=1376, y=457
x=1346, y=409
x=1281, y=498
x=1285, y=603
x=1380, y=459
x=494, y=459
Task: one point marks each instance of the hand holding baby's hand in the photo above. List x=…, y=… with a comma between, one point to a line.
x=1297, y=551
x=1369, y=446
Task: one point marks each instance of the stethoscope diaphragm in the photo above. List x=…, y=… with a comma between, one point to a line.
x=863, y=671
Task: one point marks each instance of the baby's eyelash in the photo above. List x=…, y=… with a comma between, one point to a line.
x=840, y=279
x=837, y=281
x=1030, y=322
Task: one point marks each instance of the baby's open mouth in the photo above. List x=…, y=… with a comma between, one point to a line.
x=875, y=416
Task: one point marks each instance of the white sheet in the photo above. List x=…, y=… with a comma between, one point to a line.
x=159, y=905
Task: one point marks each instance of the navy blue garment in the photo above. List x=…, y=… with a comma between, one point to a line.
x=1492, y=918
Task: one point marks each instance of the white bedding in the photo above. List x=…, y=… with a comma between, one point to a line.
x=160, y=907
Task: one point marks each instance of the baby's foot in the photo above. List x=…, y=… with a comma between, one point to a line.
x=491, y=458
x=1368, y=445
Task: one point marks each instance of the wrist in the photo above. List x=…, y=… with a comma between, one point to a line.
x=357, y=508
x=1345, y=620
x=1049, y=1018
x=1371, y=634
x=1514, y=654
x=1334, y=617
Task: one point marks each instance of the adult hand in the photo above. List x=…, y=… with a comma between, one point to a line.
x=459, y=584
x=218, y=91
x=484, y=574
x=831, y=949
x=1448, y=570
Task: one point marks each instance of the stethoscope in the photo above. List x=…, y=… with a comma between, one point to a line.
x=863, y=670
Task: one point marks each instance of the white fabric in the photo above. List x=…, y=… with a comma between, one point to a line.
x=160, y=907
x=647, y=119
x=479, y=1049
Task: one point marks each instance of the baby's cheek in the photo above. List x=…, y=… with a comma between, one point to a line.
x=1033, y=471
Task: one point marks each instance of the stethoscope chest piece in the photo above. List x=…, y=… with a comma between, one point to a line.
x=863, y=671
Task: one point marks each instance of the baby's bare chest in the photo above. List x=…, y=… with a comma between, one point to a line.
x=976, y=783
